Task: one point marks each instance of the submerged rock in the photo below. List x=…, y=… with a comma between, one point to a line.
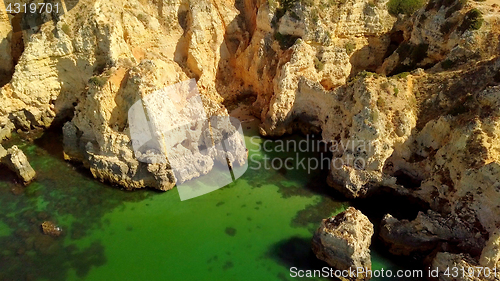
x=15, y=160
x=343, y=242
x=50, y=228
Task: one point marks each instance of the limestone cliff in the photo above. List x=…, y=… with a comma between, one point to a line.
x=100, y=58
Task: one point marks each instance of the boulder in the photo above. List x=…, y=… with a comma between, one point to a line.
x=15, y=160
x=6, y=129
x=343, y=242
x=51, y=229
x=427, y=231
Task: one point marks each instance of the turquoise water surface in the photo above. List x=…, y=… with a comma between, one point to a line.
x=254, y=229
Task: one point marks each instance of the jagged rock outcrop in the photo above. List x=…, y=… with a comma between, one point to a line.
x=291, y=105
x=343, y=241
x=60, y=58
x=15, y=160
x=364, y=121
x=452, y=162
x=427, y=231
x=441, y=148
x=99, y=135
x=6, y=128
x=335, y=41
x=3, y=152
x=451, y=32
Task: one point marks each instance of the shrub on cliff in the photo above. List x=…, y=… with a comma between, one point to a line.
x=473, y=20
x=407, y=7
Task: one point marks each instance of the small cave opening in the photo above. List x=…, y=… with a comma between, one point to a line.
x=396, y=38
x=245, y=97
x=407, y=180
x=388, y=201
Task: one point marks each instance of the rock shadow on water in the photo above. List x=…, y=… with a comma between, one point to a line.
x=228, y=265
x=47, y=258
x=311, y=216
x=295, y=252
x=230, y=231
x=315, y=185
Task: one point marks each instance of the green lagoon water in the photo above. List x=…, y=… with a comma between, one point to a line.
x=254, y=229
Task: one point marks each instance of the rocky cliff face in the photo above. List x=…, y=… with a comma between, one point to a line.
x=432, y=135
x=97, y=60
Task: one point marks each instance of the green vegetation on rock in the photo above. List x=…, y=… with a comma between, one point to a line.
x=350, y=47
x=403, y=75
x=98, y=81
x=396, y=91
x=380, y=102
x=318, y=64
x=406, y=7
x=473, y=20
x=314, y=15
x=66, y=29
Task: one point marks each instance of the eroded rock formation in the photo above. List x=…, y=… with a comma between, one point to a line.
x=343, y=241
x=427, y=231
x=16, y=161
x=50, y=228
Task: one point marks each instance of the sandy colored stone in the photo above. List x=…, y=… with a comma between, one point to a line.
x=490, y=255
x=15, y=160
x=51, y=229
x=343, y=241
x=462, y=263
